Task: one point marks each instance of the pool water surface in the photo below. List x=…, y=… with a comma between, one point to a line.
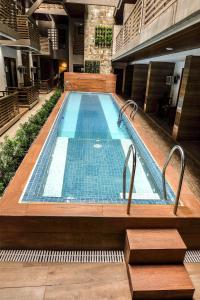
x=83, y=157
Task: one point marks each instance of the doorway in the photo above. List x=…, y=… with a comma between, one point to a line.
x=11, y=71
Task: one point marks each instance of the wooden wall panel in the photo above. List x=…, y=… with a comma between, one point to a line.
x=156, y=84
x=128, y=82
x=187, y=122
x=86, y=233
x=139, y=83
x=86, y=82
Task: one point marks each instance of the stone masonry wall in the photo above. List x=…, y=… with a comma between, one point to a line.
x=95, y=16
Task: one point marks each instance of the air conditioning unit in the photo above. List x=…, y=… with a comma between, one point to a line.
x=169, y=80
x=33, y=70
x=22, y=69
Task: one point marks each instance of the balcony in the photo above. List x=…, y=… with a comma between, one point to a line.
x=28, y=32
x=46, y=47
x=152, y=20
x=9, y=108
x=8, y=19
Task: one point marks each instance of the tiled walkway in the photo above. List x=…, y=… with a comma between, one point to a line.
x=63, y=281
x=192, y=172
x=12, y=130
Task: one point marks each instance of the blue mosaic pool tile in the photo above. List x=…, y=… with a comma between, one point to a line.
x=91, y=122
x=94, y=170
x=33, y=192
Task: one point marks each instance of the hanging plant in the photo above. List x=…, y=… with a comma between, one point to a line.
x=103, y=36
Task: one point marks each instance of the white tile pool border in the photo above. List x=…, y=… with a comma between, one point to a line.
x=50, y=130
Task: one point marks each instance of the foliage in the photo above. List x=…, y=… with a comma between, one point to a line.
x=103, y=36
x=12, y=151
x=92, y=66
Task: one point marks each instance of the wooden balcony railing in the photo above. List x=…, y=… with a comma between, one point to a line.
x=8, y=15
x=132, y=24
x=120, y=40
x=27, y=95
x=8, y=106
x=154, y=8
x=143, y=14
x=46, y=46
x=46, y=85
x=28, y=31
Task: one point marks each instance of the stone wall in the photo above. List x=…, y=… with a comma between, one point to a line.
x=95, y=16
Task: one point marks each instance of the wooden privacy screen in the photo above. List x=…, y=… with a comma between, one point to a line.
x=86, y=82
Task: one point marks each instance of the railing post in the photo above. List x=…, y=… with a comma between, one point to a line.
x=182, y=155
x=133, y=150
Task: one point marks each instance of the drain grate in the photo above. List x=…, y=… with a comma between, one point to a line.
x=48, y=256
x=192, y=256
x=61, y=256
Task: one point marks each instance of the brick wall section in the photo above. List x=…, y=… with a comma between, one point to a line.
x=95, y=16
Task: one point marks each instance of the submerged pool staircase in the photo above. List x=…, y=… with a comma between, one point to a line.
x=123, y=109
x=154, y=259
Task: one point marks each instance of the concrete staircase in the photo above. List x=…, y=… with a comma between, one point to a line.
x=155, y=266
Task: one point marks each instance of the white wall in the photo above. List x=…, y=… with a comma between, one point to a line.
x=2, y=71
x=175, y=88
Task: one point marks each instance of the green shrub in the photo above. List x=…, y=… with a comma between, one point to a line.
x=12, y=151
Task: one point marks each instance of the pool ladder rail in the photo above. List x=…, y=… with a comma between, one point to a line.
x=132, y=150
x=123, y=109
x=179, y=149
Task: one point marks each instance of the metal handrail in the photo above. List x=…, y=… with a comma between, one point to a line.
x=122, y=110
x=133, y=150
x=69, y=83
x=134, y=111
x=182, y=156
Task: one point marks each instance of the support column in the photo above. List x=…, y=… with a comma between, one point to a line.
x=187, y=122
x=20, y=76
x=139, y=83
x=156, y=84
x=3, y=83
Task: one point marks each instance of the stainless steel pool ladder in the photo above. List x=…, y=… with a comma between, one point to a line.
x=182, y=169
x=124, y=107
x=68, y=83
x=133, y=151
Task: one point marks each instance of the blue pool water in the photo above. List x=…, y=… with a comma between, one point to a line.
x=83, y=157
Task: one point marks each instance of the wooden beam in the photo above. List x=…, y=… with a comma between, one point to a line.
x=33, y=8
x=94, y=2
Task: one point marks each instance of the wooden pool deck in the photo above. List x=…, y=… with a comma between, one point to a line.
x=89, y=226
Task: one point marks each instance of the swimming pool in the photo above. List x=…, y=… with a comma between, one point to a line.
x=83, y=157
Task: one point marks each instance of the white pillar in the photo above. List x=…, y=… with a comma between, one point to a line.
x=20, y=77
x=31, y=65
x=3, y=83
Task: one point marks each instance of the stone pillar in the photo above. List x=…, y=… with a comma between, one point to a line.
x=97, y=16
x=187, y=122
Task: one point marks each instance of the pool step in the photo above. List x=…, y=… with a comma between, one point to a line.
x=160, y=282
x=154, y=246
x=154, y=259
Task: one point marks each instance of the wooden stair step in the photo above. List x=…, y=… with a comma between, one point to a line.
x=154, y=246
x=160, y=282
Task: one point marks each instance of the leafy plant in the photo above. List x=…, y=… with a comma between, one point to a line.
x=12, y=151
x=103, y=36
